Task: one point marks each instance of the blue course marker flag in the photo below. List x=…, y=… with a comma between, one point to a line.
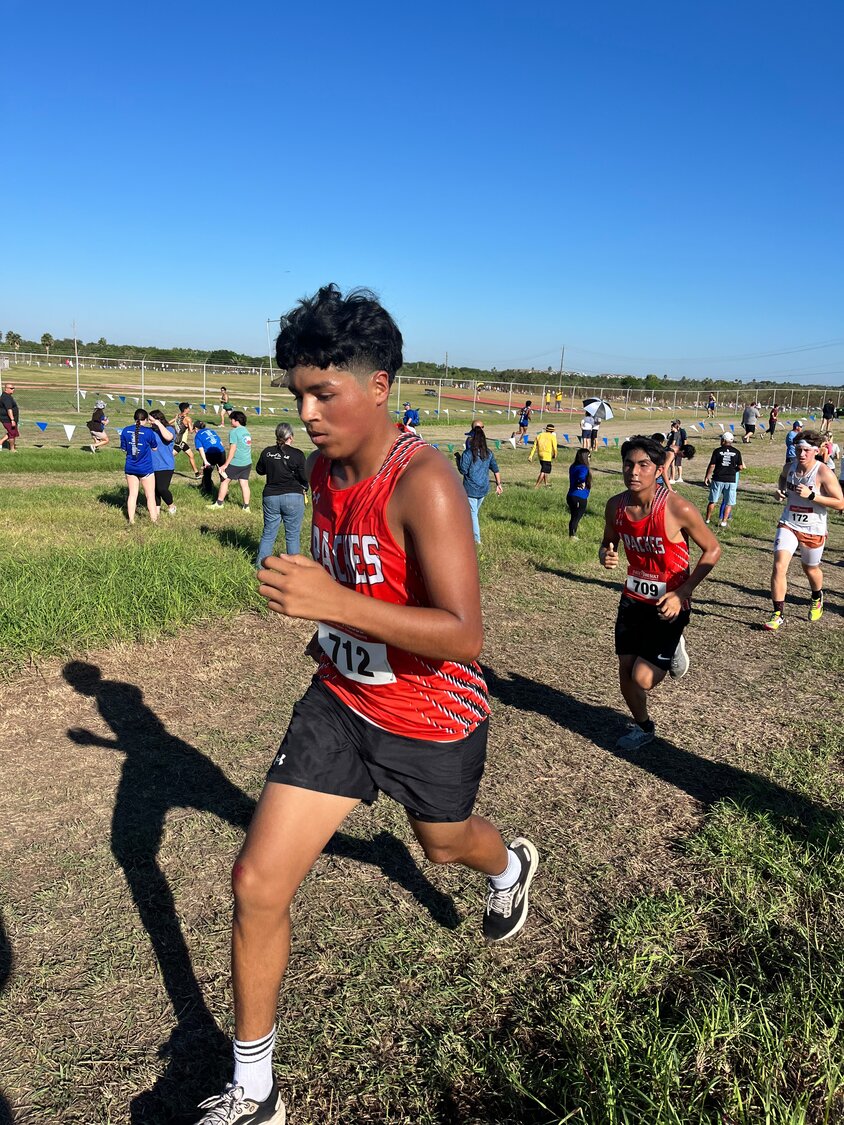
x=149, y=402
x=606, y=441
x=42, y=426
x=732, y=427
x=122, y=398
x=204, y=408
x=566, y=436
x=257, y=410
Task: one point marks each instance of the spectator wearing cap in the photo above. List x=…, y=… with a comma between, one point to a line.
x=97, y=427
x=791, y=439
x=410, y=418
x=545, y=445
x=721, y=476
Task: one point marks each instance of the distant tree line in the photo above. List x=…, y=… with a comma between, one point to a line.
x=417, y=369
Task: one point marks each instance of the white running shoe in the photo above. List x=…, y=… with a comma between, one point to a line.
x=679, y=661
x=232, y=1108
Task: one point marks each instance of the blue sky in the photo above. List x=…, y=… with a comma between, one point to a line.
x=657, y=186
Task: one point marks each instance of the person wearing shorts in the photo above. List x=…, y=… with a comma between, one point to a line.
x=97, y=427
x=524, y=417
x=749, y=419
x=809, y=489
x=225, y=405
x=209, y=446
x=654, y=526
x=398, y=704
x=183, y=425
x=545, y=445
x=138, y=442
x=721, y=477
x=586, y=425
x=9, y=416
x=238, y=463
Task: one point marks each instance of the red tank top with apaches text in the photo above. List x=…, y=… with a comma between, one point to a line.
x=405, y=694
x=655, y=564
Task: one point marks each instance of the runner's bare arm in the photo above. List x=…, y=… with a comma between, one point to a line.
x=429, y=512
x=608, y=551
x=685, y=517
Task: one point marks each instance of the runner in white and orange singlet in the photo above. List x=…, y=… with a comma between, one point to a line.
x=810, y=489
x=654, y=526
x=398, y=704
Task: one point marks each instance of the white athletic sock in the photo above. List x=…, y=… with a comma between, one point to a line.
x=253, y=1066
x=510, y=873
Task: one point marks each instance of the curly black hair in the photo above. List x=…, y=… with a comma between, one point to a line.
x=352, y=333
x=649, y=446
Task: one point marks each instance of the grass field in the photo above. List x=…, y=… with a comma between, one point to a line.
x=684, y=960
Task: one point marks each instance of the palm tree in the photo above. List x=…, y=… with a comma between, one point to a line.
x=47, y=341
x=14, y=338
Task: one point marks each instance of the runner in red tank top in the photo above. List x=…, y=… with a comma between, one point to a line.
x=654, y=526
x=398, y=704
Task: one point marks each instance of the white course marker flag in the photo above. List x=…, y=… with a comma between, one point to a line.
x=69, y=431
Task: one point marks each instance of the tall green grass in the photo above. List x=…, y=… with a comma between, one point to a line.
x=62, y=601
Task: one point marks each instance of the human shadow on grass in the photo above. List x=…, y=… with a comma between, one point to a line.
x=706, y=781
x=163, y=772
x=116, y=498
x=6, y=963
x=238, y=538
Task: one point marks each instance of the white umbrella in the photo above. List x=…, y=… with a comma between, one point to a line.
x=598, y=409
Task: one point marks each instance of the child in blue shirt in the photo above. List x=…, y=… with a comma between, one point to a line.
x=138, y=442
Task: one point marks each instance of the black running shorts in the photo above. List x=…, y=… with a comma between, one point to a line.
x=640, y=631
x=330, y=749
x=545, y=467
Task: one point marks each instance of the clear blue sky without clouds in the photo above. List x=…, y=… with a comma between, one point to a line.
x=656, y=186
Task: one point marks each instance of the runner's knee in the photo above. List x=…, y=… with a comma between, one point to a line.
x=253, y=891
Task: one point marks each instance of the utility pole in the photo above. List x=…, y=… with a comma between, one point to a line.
x=562, y=356
x=76, y=355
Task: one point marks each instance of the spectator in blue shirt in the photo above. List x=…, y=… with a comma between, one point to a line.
x=138, y=442
x=410, y=418
x=790, y=440
x=580, y=485
x=475, y=466
x=163, y=461
x=209, y=446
